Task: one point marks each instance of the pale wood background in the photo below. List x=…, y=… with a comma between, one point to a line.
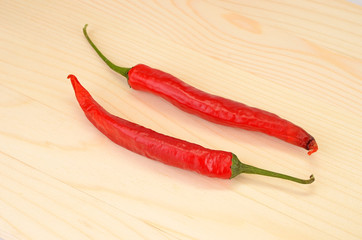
x=62, y=179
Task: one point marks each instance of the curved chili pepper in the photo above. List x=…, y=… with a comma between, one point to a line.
x=210, y=107
x=166, y=149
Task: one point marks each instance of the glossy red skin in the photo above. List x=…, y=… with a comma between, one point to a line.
x=214, y=108
x=156, y=146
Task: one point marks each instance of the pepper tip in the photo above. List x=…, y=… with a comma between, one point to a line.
x=312, y=147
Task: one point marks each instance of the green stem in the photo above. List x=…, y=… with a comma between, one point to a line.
x=121, y=70
x=239, y=167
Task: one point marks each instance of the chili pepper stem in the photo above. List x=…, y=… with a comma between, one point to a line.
x=239, y=167
x=121, y=70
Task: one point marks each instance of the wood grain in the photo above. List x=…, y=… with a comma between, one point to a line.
x=62, y=179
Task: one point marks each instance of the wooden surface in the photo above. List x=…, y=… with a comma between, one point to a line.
x=62, y=179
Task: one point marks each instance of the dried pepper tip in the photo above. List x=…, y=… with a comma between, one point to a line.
x=312, y=147
x=121, y=70
x=238, y=167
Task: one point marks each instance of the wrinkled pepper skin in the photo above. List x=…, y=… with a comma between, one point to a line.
x=210, y=107
x=166, y=149
x=215, y=108
x=156, y=146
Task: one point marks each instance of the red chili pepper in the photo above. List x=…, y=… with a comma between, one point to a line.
x=210, y=107
x=166, y=149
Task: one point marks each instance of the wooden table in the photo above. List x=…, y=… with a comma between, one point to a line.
x=60, y=178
